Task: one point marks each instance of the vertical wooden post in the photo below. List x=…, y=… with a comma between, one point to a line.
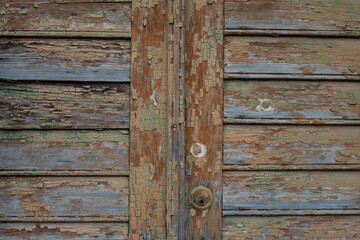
x=204, y=112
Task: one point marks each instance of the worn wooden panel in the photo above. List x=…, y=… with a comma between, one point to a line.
x=292, y=190
x=42, y=198
x=204, y=109
x=292, y=58
x=64, y=150
x=65, y=60
x=291, y=227
x=34, y=106
x=325, y=17
x=288, y=146
x=78, y=231
x=45, y=18
x=292, y=100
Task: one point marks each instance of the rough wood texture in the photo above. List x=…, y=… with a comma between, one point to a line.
x=292, y=58
x=45, y=18
x=65, y=60
x=75, y=231
x=288, y=146
x=64, y=150
x=292, y=100
x=292, y=190
x=149, y=134
x=293, y=17
x=291, y=227
x=55, y=198
x=54, y=106
x=204, y=108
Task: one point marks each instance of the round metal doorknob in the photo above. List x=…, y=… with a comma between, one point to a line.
x=201, y=198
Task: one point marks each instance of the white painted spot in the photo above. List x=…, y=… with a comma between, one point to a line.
x=198, y=150
x=265, y=105
x=153, y=97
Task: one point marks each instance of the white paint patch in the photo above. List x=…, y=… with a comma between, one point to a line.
x=198, y=150
x=153, y=97
x=265, y=102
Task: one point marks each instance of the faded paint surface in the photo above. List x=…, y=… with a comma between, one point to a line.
x=59, y=106
x=64, y=60
x=45, y=18
x=292, y=58
x=293, y=17
x=204, y=97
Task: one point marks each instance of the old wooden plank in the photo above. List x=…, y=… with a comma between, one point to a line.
x=64, y=150
x=40, y=197
x=292, y=100
x=74, y=17
x=292, y=190
x=78, y=231
x=291, y=212
x=59, y=106
x=269, y=121
x=291, y=227
x=291, y=145
x=204, y=109
x=292, y=58
x=65, y=60
x=326, y=17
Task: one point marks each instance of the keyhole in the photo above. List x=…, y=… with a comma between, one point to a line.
x=201, y=201
x=201, y=198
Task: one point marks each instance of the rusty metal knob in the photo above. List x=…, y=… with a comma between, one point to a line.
x=201, y=198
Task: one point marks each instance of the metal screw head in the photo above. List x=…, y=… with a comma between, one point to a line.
x=201, y=198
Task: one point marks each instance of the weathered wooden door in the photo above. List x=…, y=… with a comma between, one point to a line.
x=196, y=119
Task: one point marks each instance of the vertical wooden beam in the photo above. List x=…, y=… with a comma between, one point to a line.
x=204, y=112
x=157, y=121
x=148, y=120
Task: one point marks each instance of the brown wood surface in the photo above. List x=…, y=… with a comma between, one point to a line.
x=64, y=105
x=292, y=190
x=292, y=100
x=292, y=58
x=70, y=198
x=58, y=150
x=78, y=231
x=204, y=109
x=65, y=60
x=293, y=17
x=291, y=227
x=45, y=18
x=288, y=146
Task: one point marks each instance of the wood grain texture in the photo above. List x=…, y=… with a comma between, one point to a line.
x=293, y=17
x=149, y=125
x=64, y=150
x=289, y=146
x=59, y=106
x=54, y=198
x=204, y=109
x=65, y=60
x=78, y=231
x=291, y=227
x=292, y=100
x=292, y=58
x=46, y=17
x=292, y=190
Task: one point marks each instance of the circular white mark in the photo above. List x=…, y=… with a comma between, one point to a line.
x=265, y=105
x=198, y=150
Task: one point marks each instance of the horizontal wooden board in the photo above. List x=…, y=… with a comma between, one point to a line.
x=292, y=100
x=299, y=16
x=51, y=16
x=292, y=58
x=288, y=146
x=65, y=60
x=291, y=227
x=291, y=190
x=59, y=106
x=66, y=198
x=78, y=231
x=64, y=150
